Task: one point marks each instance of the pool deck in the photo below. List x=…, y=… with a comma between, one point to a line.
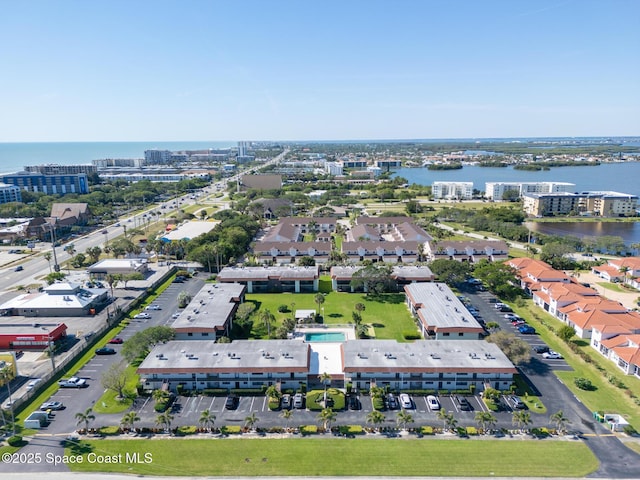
x=325, y=356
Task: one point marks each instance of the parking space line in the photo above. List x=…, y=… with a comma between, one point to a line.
x=213, y=399
x=453, y=403
x=481, y=404
x=264, y=403
x=253, y=399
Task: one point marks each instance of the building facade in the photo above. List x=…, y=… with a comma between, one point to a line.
x=452, y=190
x=50, y=184
x=9, y=193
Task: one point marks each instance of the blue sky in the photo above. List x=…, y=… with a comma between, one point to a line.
x=311, y=70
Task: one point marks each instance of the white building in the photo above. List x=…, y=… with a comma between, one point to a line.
x=334, y=168
x=496, y=190
x=452, y=190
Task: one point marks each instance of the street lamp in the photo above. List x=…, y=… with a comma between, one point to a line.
x=56, y=267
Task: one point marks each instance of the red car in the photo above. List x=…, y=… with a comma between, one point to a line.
x=116, y=340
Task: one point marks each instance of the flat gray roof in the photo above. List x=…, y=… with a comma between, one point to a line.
x=230, y=274
x=439, y=306
x=424, y=356
x=210, y=308
x=407, y=272
x=237, y=356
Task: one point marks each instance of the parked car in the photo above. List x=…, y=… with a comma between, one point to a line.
x=19, y=268
x=498, y=305
x=511, y=316
x=175, y=315
x=142, y=315
x=518, y=322
x=391, y=402
x=353, y=403
x=463, y=403
x=433, y=402
x=52, y=406
x=551, y=355
x=232, y=402
x=540, y=349
x=517, y=402
x=116, y=341
x=105, y=351
x=73, y=382
x=405, y=401
x=32, y=384
x=298, y=400
x=526, y=329
x=154, y=306
x=506, y=308
x=285, y=403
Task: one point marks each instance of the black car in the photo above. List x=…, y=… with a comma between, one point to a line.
x=463, y=403
x=105, y=351
x=353, y=402
x=232, y=402
x=541, y=349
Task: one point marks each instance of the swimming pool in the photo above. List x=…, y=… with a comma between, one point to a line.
x=324, y=337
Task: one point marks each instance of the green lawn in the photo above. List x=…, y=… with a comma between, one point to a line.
x=606, y=396
x=108, y=403
x=340, y=457
x=614, y=287
x=387, y=313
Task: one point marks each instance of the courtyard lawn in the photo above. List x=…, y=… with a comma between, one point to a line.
x=614, y=287
x=338, y=457
x=387, y=313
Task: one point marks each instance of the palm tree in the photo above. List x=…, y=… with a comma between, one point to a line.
x=360, y=307
x=47, y=257
x=376, y=418
x=287, y=414
x=6, y=375
x=319, y=299
x=624, y=270
x=404, y=418
x=160, y=395
x=521, y=419
x=70, y=249
x=325, y=379
x=267, y=318
x=273, y=392
x=165, y=419
x=560, y=420
x=85, y=417
x=485, y=419
x=207, y=419
x=250, y=421
x=326, y=416
x=443, y=415
x=451, y=421
x=129, y=419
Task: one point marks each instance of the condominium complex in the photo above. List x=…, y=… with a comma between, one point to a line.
x=496, y=190
x=600, y=204
x=49, y=184
x=452, y=190
x=9, y=193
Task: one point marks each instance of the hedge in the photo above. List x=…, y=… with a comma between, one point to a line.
x=308, y=429
x=186, y=430
x=274, y=403
x=248, y=392
x=215, y=392
x=351, y=429
x=231, y=429
x=427, y=430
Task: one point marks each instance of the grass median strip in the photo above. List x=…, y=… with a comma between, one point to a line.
x=336, y=456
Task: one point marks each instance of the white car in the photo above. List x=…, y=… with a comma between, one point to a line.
x=31, y=385
x=551, y=355
x=175, y=315
x=142, y=315
x=433, y=402
x=153, y=307
x=405, y=401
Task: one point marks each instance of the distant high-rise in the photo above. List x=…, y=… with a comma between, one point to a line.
x=242, y=149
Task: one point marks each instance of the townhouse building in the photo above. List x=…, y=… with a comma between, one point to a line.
x=293, y=279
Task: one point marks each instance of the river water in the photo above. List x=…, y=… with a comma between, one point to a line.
x=629, y=231
x=619, y=177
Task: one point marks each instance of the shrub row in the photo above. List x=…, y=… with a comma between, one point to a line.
x=249, y=392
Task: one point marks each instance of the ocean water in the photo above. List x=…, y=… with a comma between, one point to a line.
x=15, y=156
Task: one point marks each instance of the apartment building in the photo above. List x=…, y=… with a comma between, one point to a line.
x=471, y=251
x=452, y=190
x=9, y=193
x=441, y=314
x=496, y=190
x=273, y=279
x=50, y=184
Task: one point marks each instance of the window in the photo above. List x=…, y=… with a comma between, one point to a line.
x=445, y=334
